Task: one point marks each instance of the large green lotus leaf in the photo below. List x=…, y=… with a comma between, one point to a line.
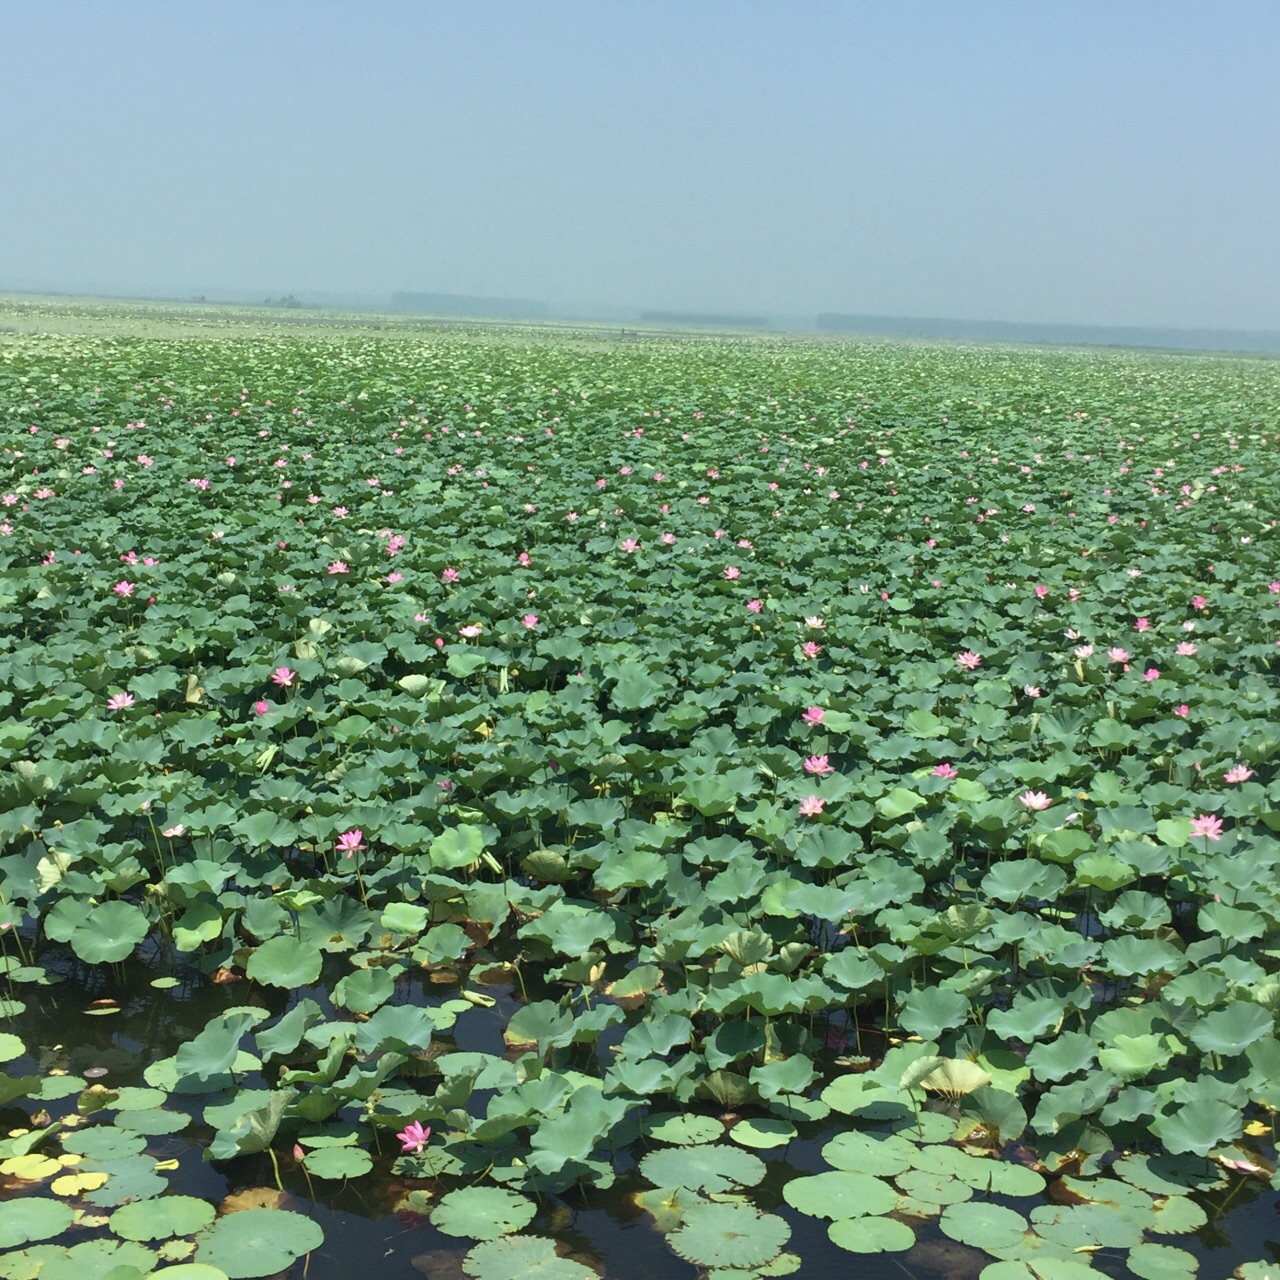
x=1041, y=1266
x=683, y=1130
x=881, y=1156
x=953, y=1077
x=1198, y=1127
x=982, y=1224
x=214, y=1049
x=1233, y=1029
x=729, y=1235
x=872, y=1235
x=1178, y=1215
x=103, y=1142
x=1162, y=1262
x=10, y=1047
x=763, y=1133
x=483, y=1213
x=1067, y=1053
x=128, y=1178
x=840, y=1194
x=457, y=847
x=257, y=1242
x=712, y=1167
x=153, y=1122
x=1083, y=1226
x=1135, y=1057
x=1169, y=1175
x=95, y=1260
x=859, y=1095
x=248, y=1123
x=285, y=961
x=26, y=1218
x=108, y=931
x=159, y=1218
x=364, y=990
x=338, y=1162
x=522, y=1257
x=933, y=1188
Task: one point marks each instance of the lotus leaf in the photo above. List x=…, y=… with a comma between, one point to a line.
x=257, y=1242
x=518, y=1257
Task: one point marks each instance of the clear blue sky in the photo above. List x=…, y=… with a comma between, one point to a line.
x=1108, y=162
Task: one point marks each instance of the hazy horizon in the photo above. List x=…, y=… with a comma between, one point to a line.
x=1087, y=164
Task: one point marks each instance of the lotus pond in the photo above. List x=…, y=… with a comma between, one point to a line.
x=484, y=805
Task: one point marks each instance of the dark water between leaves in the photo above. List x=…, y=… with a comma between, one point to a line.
x=111, y=1024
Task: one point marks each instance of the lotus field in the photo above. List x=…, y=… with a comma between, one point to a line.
x=809, y=799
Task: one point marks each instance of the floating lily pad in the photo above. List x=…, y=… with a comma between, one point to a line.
x=483, y=1213
x=161, y=1217
x=26, y=1218
x=1162, y=1262
x=711, y=1167
x=153, y=1122
x=840, y=1194
x=729, y=1235
x=257, y=1242
x=872, y=1235
x=868, y=1153
x=762, y=1134
x=518, y=1257
x=933, y=1188
x=338, y=1162
x=982, y=1225
x=683, y=1130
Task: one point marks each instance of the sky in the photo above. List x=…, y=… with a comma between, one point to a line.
x=1098, y=163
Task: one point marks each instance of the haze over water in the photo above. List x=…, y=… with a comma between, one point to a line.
x=1086, y=162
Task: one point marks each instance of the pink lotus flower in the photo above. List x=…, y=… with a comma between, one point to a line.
x=1186, y=649
x=341, y=512
x=1142, y=624
x=529, y=621
x=1182, y=711
x=810, y=649
x=1199, y=602
x=814, y=715
x=123, y=588
x=1041, y=592
x=1207, y=826
x=449, y=575
x=628, y=544
x=349, y=841
x=470, y=631
x=261, y=707
x=945, y=770
x=339, y=566
x=1031, y=690
x=811, y=806
x=393, y=578
x=732, y=572
x=1036, y=800
x=1118, y=655
x=815, y=623
x=1083, y=651
x=172, y=833
x=119, y=701
x=282, y=676
x=754, y=606
x=413, y=1137
x=1150, y=674
x=1238, y=773
x=969, y=660
x=818, y=765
